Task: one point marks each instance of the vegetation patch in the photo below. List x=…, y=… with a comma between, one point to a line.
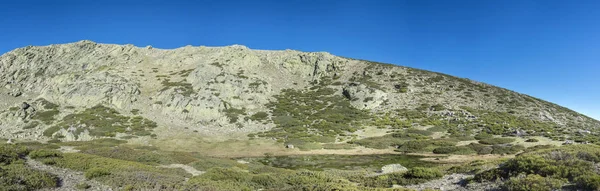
x=548, y=169
x=342, y=162
x=497, y=141
x=47, y=115
x=314, y=115
x=121, y=173
x=103, y=122
x=31, y=125
x=16, y=175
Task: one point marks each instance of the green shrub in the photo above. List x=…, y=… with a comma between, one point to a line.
x=96, y=172
x=233, y=174
x=483, y=135
x=420, y=132
x=423, y=173
x=511, y=149
x=481, y=149
x=11, y=153
x=31, y=125
x=532, y=140
x=459, y=150
x=268, y=180
x=83, y=186
x=532, y=182
x=572, y=163
x=259, y=116
x=497, y=141
x=338, y=146
x=206, y=163
x=18, y=176
x=437, y=129
x=103, y=121
x=588, y=181
x=44, y=153
x=119, y=173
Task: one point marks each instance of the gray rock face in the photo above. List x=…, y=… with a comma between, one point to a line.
x=363, y=97
x=214, y=90
x=15, y=93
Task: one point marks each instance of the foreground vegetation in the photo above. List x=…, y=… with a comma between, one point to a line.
x=15, y=174
x=549, y=169
x=124, y=167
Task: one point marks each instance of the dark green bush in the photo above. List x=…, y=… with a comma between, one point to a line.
x=532, y=182
x=44, y=153
x=18, y=176
x=548, y=169
x=11, y=153
x=532, y=140
x=232, y=174
x=83, y=186
x=497, y=141
x=420, y=132
x=423, y=173
x=483, y=135
x=509, y=149
x=96, y=172
x=460, y=150
x=588, y=181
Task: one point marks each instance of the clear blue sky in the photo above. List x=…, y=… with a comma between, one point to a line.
x=547, y=48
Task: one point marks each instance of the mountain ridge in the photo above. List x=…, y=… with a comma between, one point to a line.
x=224, y=87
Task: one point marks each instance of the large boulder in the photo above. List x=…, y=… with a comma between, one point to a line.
x=363, y=97
x=391, y=168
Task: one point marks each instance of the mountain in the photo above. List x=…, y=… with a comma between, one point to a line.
x=218, y=90
x=237, y=102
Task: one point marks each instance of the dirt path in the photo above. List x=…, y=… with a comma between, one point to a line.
x=187, y=168
x=69, y=179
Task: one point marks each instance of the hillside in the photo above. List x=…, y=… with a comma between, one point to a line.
x=235, y=102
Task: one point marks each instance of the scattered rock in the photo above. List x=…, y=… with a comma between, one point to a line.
x=15, y=93
x=391, y=168
x=25, y=106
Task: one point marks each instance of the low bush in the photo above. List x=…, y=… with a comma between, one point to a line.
x=548, y=169
x=83, y=186
x=437, y=129
x=483, y=135
x=532, y=182
x=44, y=153
x=420, y=132
x=532, y=140
x=11, y=153
x=423, y=173
x=18, y=176
x=96, y=172
x=588, y=181
x=120, y=173
x=457, y=150
x=509, y=149
x=338, y=146
x=497, y=141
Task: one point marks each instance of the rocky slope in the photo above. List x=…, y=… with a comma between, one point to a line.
x=86, y=90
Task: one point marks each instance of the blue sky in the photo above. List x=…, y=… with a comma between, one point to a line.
x=549, y=49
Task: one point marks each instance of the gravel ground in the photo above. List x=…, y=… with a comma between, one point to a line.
x=454, y=182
